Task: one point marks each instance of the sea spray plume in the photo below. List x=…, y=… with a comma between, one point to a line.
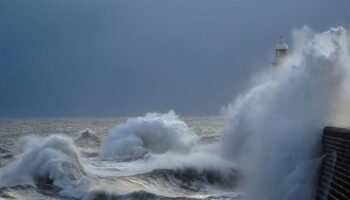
x=274, y=128
x=154, y=133
x=53, y=159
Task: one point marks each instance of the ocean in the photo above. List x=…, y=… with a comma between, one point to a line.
x=266, y=147
x=111, y=177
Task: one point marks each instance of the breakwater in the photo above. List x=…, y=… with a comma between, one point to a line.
x=334, y=183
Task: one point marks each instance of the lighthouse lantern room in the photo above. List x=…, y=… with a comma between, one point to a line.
x=281, y=52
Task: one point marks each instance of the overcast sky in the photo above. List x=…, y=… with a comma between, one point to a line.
x=128, y=57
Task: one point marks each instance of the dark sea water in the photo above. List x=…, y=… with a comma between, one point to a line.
x=158, y=172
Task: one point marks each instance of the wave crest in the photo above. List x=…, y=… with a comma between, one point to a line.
x=154, y=133
x=53, y=160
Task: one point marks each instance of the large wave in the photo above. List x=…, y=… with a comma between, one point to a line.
x=175, y=167
x=275, y=127
x=52, y=160
x=155, y=133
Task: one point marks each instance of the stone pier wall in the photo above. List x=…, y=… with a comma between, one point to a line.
x=335, y=171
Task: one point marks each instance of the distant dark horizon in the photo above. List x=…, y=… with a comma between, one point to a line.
x=218, y=115
x=127, y=58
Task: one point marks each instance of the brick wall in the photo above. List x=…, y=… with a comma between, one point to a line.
x=335, y=171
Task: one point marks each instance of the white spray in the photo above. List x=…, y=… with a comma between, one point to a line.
x=153, y=133
x=274, y=128
x=53, y=158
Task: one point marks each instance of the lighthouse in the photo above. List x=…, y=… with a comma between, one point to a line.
x=281, y=52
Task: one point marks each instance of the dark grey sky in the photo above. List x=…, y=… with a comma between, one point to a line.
x=128, y=57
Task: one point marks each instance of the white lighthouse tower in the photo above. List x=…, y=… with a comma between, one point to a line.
x=281, y=52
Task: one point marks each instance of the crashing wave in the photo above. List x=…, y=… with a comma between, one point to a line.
x=52, y=160
x=275, y=128
x=153, y=133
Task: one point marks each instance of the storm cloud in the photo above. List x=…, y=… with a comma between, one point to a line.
x=113, y=58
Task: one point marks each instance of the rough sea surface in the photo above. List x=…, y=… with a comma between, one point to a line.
x=266, y=148
x=157, y=156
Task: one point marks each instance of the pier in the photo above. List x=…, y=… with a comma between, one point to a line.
x=334, y=182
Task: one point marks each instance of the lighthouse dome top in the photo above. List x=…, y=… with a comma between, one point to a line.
x=282, y=44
